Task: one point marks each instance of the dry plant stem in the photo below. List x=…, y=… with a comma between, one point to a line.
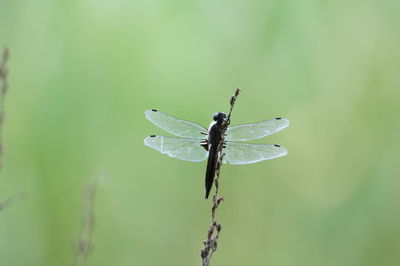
x=83, y=244
x=210, y=244
x=3, y=90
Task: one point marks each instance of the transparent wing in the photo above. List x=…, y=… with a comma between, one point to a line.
x=184, y=149
x=244, y=153
x=256, y=130
x=173, y=125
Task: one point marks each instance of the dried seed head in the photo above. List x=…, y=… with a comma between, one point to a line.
x=204, y=253
x=219, y=227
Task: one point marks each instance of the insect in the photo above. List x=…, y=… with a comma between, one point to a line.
x=196, y=143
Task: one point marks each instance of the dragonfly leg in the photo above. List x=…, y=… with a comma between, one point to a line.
x=204, y=144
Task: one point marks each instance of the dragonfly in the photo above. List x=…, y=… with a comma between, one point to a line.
x=196, y=143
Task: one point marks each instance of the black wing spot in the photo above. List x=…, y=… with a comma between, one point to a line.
x=276, y=145
x=154, y=110
x=152, y=136
x=278, y=118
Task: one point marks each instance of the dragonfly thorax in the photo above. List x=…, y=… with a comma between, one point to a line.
x=217, y=129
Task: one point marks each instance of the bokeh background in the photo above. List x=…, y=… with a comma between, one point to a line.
x=83, y=72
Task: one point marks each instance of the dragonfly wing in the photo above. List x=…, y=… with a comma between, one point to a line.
x=184, y=149
x=256, y=130
x=244, y=153
x=173, y=125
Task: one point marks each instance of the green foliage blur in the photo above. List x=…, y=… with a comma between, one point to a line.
x=82, y=73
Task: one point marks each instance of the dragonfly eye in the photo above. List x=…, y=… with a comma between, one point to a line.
x=219, y=116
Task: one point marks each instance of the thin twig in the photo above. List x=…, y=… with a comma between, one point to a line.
x=11, y=200
x=210, y=244
x=83, y=244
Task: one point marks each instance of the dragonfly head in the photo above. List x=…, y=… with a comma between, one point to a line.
x=219, y=117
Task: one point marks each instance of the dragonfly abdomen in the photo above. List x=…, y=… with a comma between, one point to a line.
x=211, y=168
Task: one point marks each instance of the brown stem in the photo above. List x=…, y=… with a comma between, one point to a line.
x=84, y=245
x=210, y=244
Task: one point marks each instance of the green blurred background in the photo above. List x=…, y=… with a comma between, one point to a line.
x=83, y=72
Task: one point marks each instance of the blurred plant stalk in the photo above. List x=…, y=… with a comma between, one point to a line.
x=84, y=242
x=3, y=91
